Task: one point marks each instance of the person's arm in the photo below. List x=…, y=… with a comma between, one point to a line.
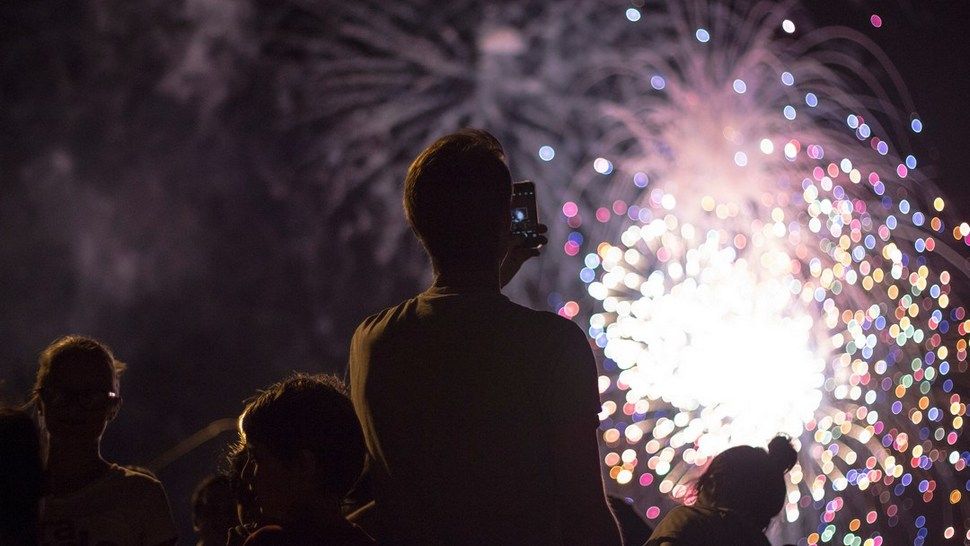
x=584, y=513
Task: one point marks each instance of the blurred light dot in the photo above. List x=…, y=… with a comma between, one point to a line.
x=766, y=146
x=641, y=180
x=787, y=78
x=739, y=86
x=668, y=201
x=633, y=14
x=811, y=100
x=658, y=83
x=569, y=209
x=702, y=35
x=875, y=20
x=653, y=512
x=546, y=153
x=602, y=165
x=741, y=159
x=911, y=161
x=916, y=125
x=852, y=121
x=789, y=112
x=788, y=26
x=791, y=150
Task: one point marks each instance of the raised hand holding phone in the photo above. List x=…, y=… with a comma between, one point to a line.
x=527, y=234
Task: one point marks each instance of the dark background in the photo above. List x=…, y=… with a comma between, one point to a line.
x=150, y=197
x=929, y=44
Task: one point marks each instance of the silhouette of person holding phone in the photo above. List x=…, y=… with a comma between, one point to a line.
x=480, y=415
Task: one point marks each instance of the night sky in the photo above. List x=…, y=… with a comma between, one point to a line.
x=929, y=44
x=159, y=193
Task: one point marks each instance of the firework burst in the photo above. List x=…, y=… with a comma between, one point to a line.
x=761, y=252
x=777, y=275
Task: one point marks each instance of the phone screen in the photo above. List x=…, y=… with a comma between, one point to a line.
x=525, y=215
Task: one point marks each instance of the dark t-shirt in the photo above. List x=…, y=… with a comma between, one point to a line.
x=701, y=525
x=456, y=393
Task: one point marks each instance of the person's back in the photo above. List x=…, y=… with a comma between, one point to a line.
x=480, y=414
x=460, y=389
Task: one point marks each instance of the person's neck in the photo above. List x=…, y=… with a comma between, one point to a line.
x=484, y=279
x=73, y=465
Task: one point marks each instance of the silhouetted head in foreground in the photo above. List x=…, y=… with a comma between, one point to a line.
x=456, y=199
x=77, y=390
x=748, y=480
x=21, y=477
x=213, y=510
x=305, y=447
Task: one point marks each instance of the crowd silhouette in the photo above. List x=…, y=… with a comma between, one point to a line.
x=468, y=419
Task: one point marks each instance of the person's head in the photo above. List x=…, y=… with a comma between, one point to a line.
x=21, y=477
x=304, y=444
x=456, y=199
x=748, y=480
x=213, y=510
x=77, y=388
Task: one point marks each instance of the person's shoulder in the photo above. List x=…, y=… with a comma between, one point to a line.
x=377, y=325
x=546, y=320
x=136, y=483
x=675, y=525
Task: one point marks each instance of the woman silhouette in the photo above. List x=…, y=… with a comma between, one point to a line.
x=736, y=497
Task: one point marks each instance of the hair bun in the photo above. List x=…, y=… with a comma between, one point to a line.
x=781, y=452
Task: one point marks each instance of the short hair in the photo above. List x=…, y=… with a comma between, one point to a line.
x=454, y=193
x=748, y=479
x=76, y=348
x=313, y=413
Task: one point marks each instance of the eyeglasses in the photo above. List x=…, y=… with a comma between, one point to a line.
x=88, y=399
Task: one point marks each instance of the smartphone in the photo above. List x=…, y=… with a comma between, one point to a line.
x=525, y=214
